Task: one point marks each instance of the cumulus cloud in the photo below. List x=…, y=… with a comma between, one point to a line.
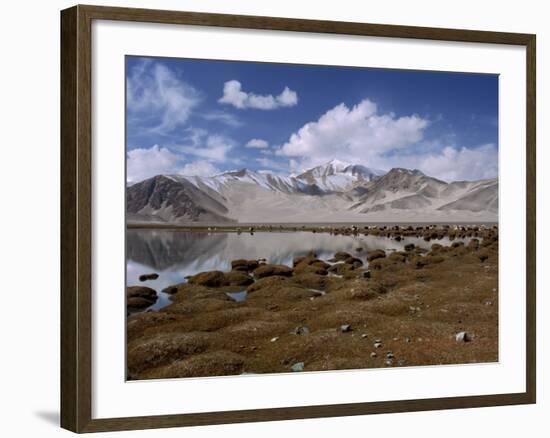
x=450, y=163
x=362, y=135
x=157, y=99
x=359, y=133
x=145, y=163
x=234, y=95
x=257, y=143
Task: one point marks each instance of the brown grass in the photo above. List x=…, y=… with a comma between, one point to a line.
x=413, y=304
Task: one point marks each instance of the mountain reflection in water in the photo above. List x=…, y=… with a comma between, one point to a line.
x=175, y=255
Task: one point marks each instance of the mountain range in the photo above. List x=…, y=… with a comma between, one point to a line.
x=333, y=192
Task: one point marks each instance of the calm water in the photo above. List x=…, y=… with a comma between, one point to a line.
x=175, y=255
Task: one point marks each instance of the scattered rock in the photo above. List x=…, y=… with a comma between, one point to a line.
x=397, y=257
x=376, y=254
x=420, y=262
x=341, y=268
x=140, y=297
x=272, y=270
x=297, y=367
x=135, y=304
x=366, y=274
x=318, y=269
x=275, y=339
x=355, y=262
x=312, y=281
x=300, y=330
x=171, y=290
x=364, y=335
x=373, y=355
x=244, y=265
x=463, y=337
x=377, y=345
x=146, y=277
x=345, y=328
x=209, y=279
x=409, y=247
x=483, y=255
x=268, y=283
x=342, y=256
x=238, y=278
x=389, y=355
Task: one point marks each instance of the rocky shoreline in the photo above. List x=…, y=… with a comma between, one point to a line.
x=368, y=309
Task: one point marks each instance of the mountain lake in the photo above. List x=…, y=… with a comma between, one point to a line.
x=175, y=254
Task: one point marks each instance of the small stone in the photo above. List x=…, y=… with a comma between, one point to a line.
x=298, y=366
x=366, y=274
x=396, y=339
x=364, y=335
x=488, y=303
x=463, y=337
x=389, y=362
x=300, y=330
x=377, y=345
x=275, y=339
x=146, y=277
x=407, y=340
x=373, y=354
x=389, y=355
x=494, y=289
x=345, y=328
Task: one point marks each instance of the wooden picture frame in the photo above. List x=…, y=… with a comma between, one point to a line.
x=76, y=217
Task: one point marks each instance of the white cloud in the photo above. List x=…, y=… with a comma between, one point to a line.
x=210, y=147
x=257, y=143
x=199, y=168
x=382, y=141
x=272, y=164
x=158, y=98
x=358, y=133
x=451, y=163
x=223, y=117
x=234, y=95
x=145, y=163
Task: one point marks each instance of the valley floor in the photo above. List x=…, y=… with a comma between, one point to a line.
x=406, y=308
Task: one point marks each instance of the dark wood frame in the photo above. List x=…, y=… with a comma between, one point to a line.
x=76, y=173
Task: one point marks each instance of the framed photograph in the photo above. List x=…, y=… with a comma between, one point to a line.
x=268, y=219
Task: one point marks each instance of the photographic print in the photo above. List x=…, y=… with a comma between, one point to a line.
x=285, y=218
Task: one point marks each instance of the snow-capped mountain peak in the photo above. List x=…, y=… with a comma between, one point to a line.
x=338, y=175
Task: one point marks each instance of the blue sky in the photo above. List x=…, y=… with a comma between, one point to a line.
x=203, y=117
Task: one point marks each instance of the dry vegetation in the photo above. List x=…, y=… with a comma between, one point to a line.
x=404, y=309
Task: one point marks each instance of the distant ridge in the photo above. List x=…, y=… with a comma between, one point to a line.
x=335, y=191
